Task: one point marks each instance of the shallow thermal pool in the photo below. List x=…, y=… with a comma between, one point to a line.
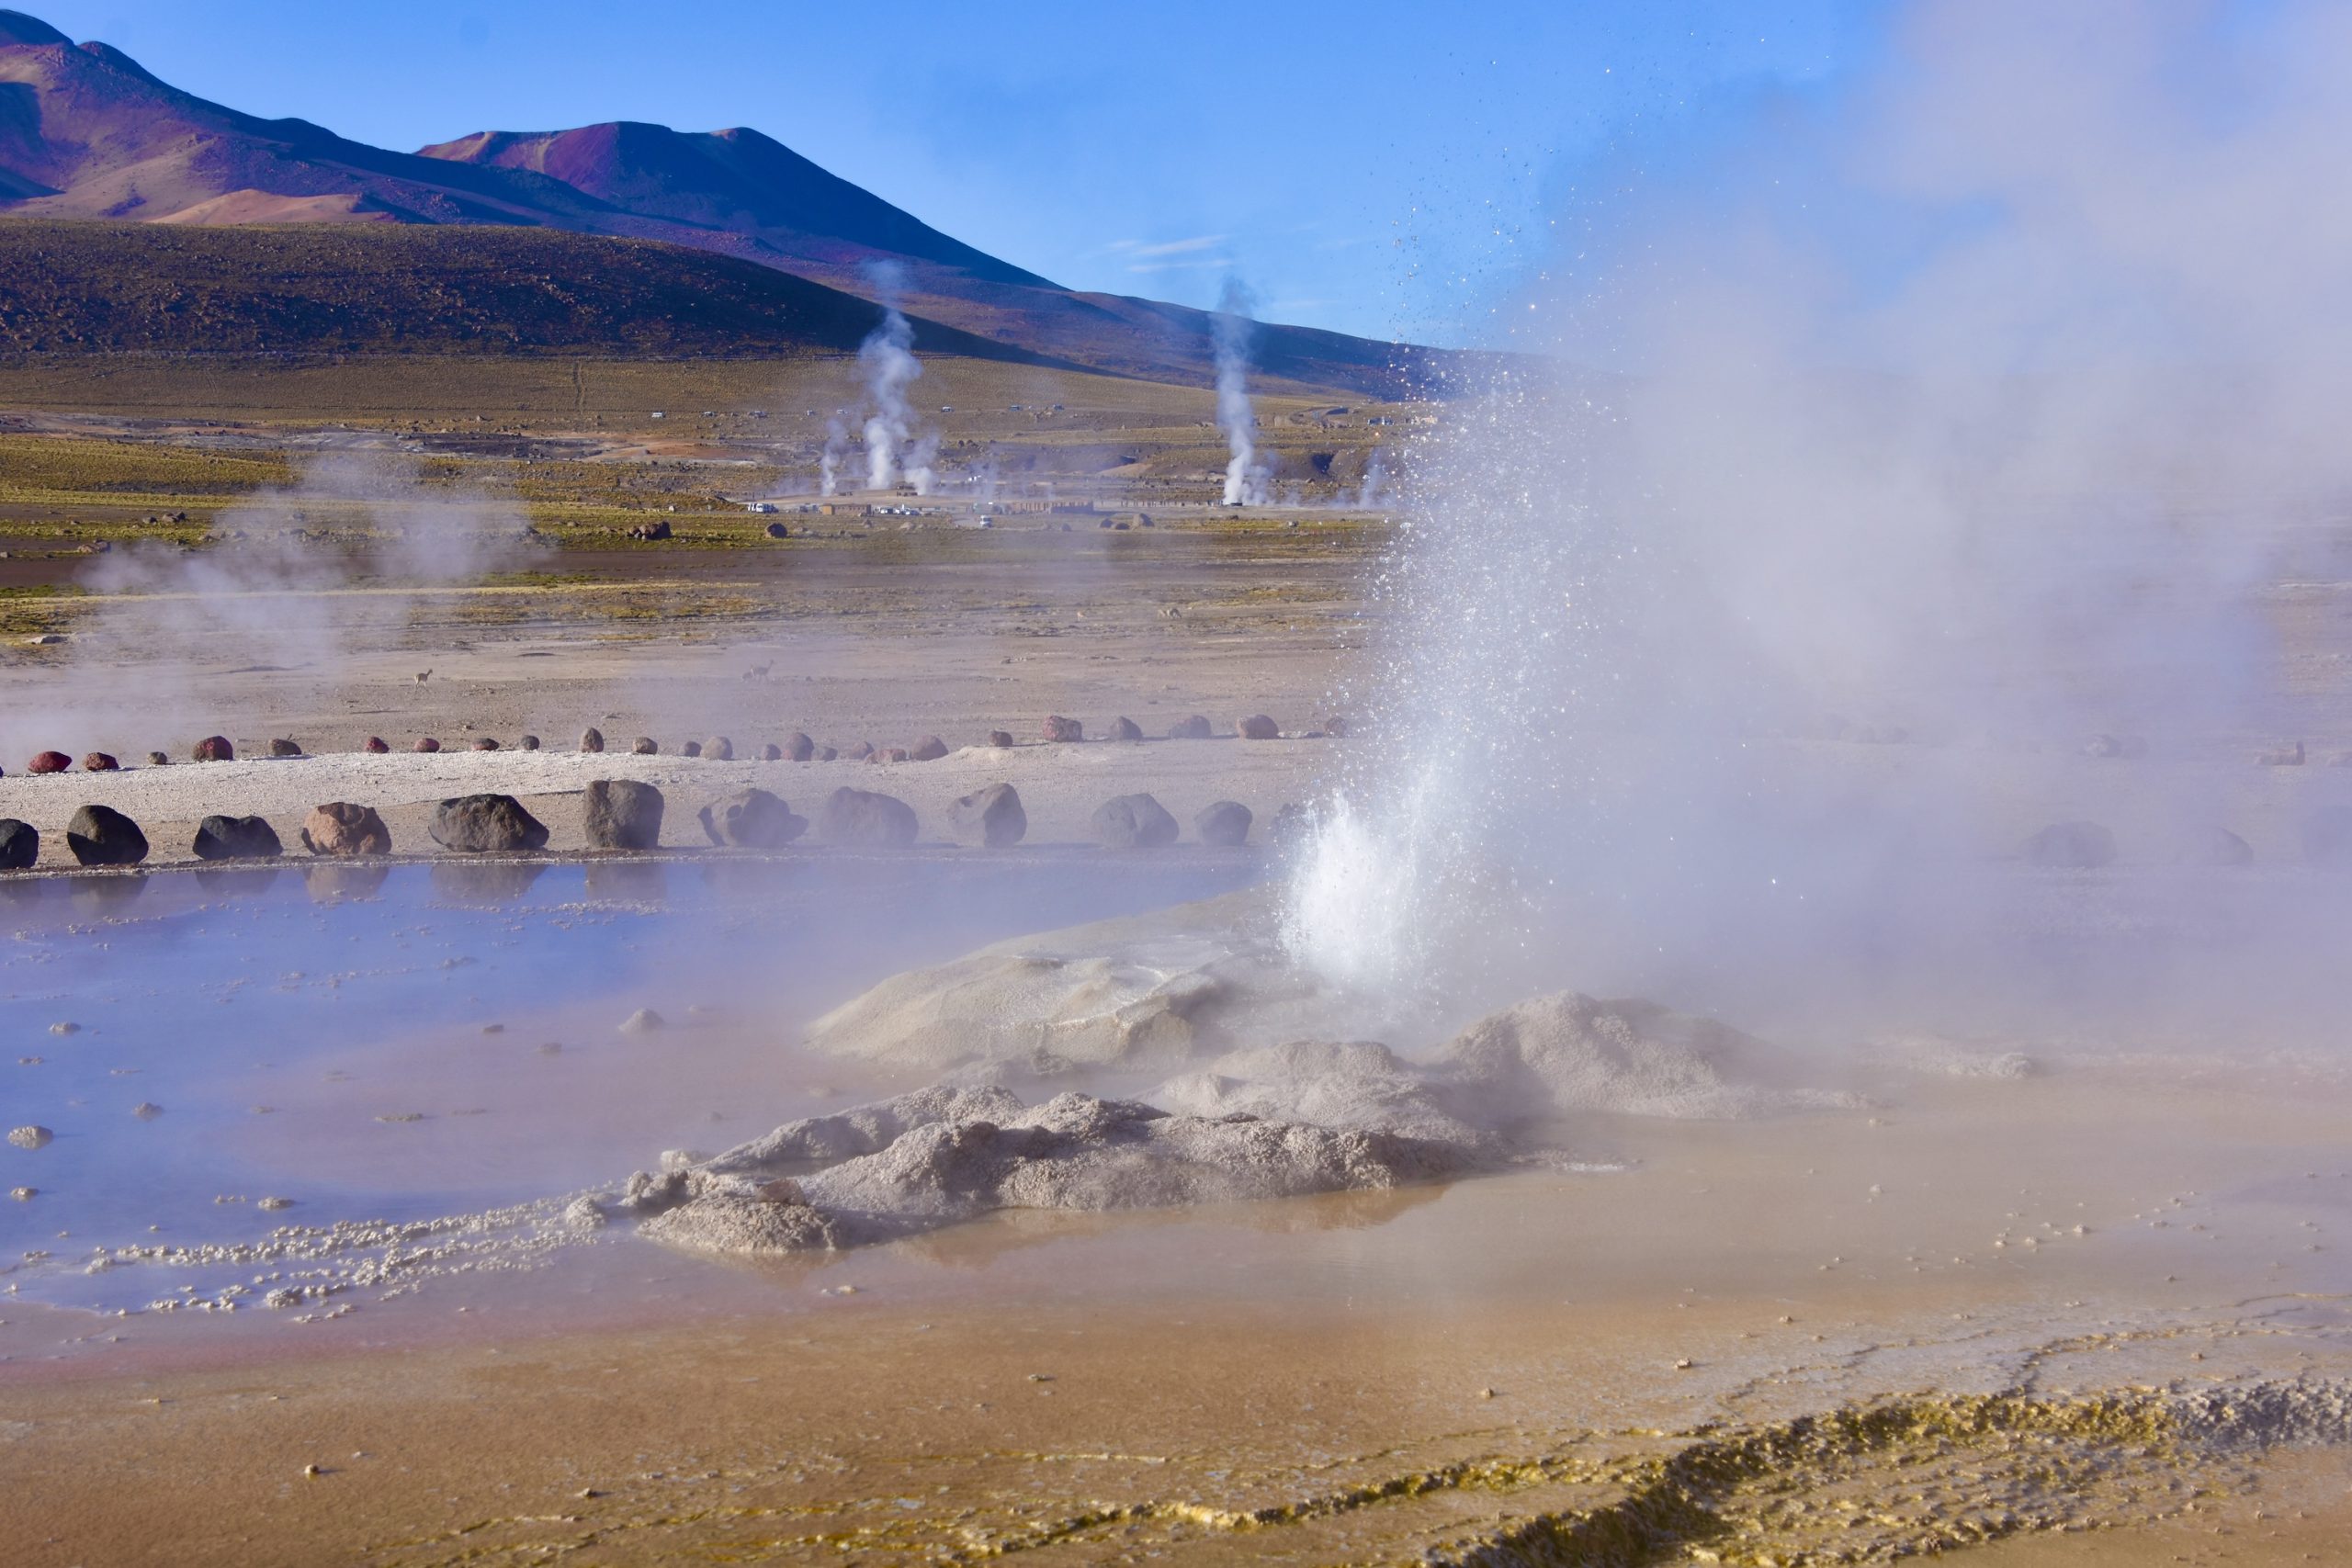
x=434, y=1039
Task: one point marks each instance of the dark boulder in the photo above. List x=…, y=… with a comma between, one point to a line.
x=1000, y=739
x=718, y=749
x=1225, y=823
x=1257, y=727
x=646, y=746
x=691, y=748
x=991, y=817
x=214, y=749
x=771, y=752
x=486, y=824
x=375, y=746
x=798, y=747
x=889, y=754
x=99, y=835
x=778, y=531
x=2075, y=846
x=19, y=844
x=620, y=814
x=159, y=760
x=861, y=752
x=427, y=743
x=592, y=740
x=2214, y=846
x=656, y=530
x=1193, y=726
x=236, y=838
x=1060, y=728
x=751, y=820
x=341, y=829
x=930, y=748
x=285, y=748
x=827, y=754
x=484, y=743
x=1132, y=822
x=1124, y=728
x=99, y=762
x=866, y=819
x=50, y=762
x=529, y=743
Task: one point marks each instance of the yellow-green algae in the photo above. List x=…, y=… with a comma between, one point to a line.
x=1890, y=1478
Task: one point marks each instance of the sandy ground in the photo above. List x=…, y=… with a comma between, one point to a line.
x=1371, y=1377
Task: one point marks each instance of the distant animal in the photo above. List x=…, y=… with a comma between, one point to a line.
x=422, y=676
x=758, y=671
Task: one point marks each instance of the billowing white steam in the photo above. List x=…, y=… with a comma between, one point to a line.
x=894, y=443
x=300, y=580
x=829, y=466
x=1879, y=459
x=1232, y=330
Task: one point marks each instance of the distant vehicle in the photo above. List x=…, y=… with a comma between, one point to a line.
x=659, y=415
x=760, y=508
x=947, y=408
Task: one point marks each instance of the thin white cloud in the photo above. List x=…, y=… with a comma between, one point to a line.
x=1180, y=247
x=1183, y=264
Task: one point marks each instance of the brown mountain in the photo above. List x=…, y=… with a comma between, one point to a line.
x=732, y=182
x=83, y=288
x=87, y=132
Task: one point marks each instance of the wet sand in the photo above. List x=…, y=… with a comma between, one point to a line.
x=1361, y=1377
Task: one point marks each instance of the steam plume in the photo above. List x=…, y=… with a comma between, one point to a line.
x=1233, y=329
x=893, y=445
x=268, y=594
x=1964, y=411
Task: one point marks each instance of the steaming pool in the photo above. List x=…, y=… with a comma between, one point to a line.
x=409, y=1041
x=428, y=1063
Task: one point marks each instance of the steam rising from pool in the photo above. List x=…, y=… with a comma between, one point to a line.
x=1871, y=453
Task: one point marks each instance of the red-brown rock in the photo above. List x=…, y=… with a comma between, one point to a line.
x=214, y=749
x=51, y=762
x=341, y=829
x=1060, y=728
x=99, y=762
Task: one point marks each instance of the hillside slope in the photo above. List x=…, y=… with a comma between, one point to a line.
x=87, y=132
x=313, y=289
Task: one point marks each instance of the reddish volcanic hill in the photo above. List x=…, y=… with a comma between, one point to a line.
x=735, y=181
x=87, y=132
x=91, y=134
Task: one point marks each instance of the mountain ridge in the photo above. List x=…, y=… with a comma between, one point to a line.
x=87, y=132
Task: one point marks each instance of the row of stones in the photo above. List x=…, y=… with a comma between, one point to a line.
x=622, y=813
x=799, y=748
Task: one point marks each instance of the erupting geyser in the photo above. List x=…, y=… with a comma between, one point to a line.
x=1232, y=328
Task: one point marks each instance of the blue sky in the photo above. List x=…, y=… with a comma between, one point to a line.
x=1372, y=167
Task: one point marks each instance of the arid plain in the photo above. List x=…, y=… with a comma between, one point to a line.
x=1922, y=1314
